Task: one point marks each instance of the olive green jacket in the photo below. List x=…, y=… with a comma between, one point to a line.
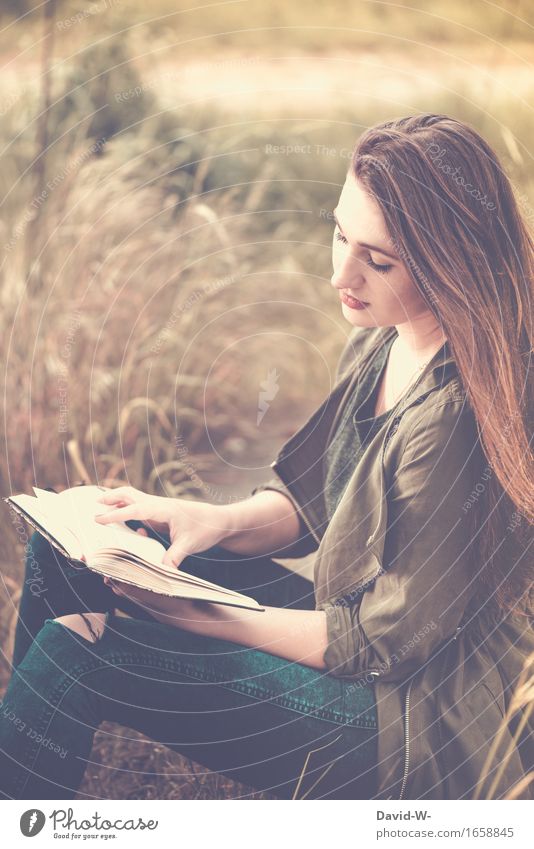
x=395, y=574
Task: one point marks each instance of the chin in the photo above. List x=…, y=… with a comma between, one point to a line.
x=359, y=318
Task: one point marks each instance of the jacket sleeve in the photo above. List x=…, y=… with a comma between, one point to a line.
x=425, y=580
x=306, y=543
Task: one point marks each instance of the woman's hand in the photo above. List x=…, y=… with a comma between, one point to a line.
x=297, y=635
x=192, y=526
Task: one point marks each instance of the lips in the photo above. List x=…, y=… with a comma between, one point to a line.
x=351, y=301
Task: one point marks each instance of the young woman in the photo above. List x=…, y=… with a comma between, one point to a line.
x=391, y=674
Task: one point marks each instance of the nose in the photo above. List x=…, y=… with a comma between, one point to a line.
x=343, y=278
x=348, y=271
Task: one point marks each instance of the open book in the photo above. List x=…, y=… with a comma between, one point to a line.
x=67, y=521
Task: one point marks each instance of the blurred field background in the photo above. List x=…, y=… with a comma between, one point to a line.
x=165, y=175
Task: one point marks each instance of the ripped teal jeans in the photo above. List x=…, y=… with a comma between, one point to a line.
x=274, y=725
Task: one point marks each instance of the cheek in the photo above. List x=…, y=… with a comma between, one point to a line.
x=401, y=298
x=398, y=286
x=411, y=294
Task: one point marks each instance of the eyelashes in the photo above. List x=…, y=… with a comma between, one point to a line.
x=383, y=269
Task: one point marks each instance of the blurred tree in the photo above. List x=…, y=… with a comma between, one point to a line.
x=15, y=7
x=103, y=85
x=37, y=227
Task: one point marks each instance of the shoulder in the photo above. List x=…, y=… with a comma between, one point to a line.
x=440, y=423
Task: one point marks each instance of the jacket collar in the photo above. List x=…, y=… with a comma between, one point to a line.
x=440, y=369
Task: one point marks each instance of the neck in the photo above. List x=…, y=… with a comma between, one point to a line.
x=420, y=337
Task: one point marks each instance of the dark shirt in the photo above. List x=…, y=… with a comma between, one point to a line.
x=356, y=429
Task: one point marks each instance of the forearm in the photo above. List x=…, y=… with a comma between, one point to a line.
x=261, y=524
x=296, y=635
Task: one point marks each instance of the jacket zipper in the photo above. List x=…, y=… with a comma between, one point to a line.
x=406, y=740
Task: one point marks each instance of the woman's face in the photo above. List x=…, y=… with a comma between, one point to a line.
x=367, y=266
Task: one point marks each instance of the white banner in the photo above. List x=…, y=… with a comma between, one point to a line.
x=358, y=824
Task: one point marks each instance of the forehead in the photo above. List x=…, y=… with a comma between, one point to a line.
x=359, y=214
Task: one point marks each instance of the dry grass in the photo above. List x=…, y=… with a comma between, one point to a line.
x=521, y=705
x=292, y=27
x=146, y=304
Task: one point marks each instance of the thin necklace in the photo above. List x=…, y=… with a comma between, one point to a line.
x=410, y=381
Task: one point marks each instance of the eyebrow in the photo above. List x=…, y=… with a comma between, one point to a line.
x=365, y=245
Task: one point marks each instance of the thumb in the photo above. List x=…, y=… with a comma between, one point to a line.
x=174, y=555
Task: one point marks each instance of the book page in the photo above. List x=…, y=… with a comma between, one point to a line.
x=52, y=524
x=172, y=573
x=116, y=550
x=117, y=568
x=76, y=509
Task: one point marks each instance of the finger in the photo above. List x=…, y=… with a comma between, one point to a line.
x=116, y=502
x=135, y=594
x=174, y=556
x=113, y=586
x=124, y=492
x=116, y=586
x=142, y=531
x=115, y=495
x=131, y=511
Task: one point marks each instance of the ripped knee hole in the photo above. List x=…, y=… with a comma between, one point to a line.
x=88, y=625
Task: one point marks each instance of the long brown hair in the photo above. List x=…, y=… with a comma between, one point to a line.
x=453, y=218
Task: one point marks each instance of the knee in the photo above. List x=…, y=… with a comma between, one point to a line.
x=90, y=626
x=58, y=667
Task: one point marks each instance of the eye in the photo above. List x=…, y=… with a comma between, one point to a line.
x=383, y=269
